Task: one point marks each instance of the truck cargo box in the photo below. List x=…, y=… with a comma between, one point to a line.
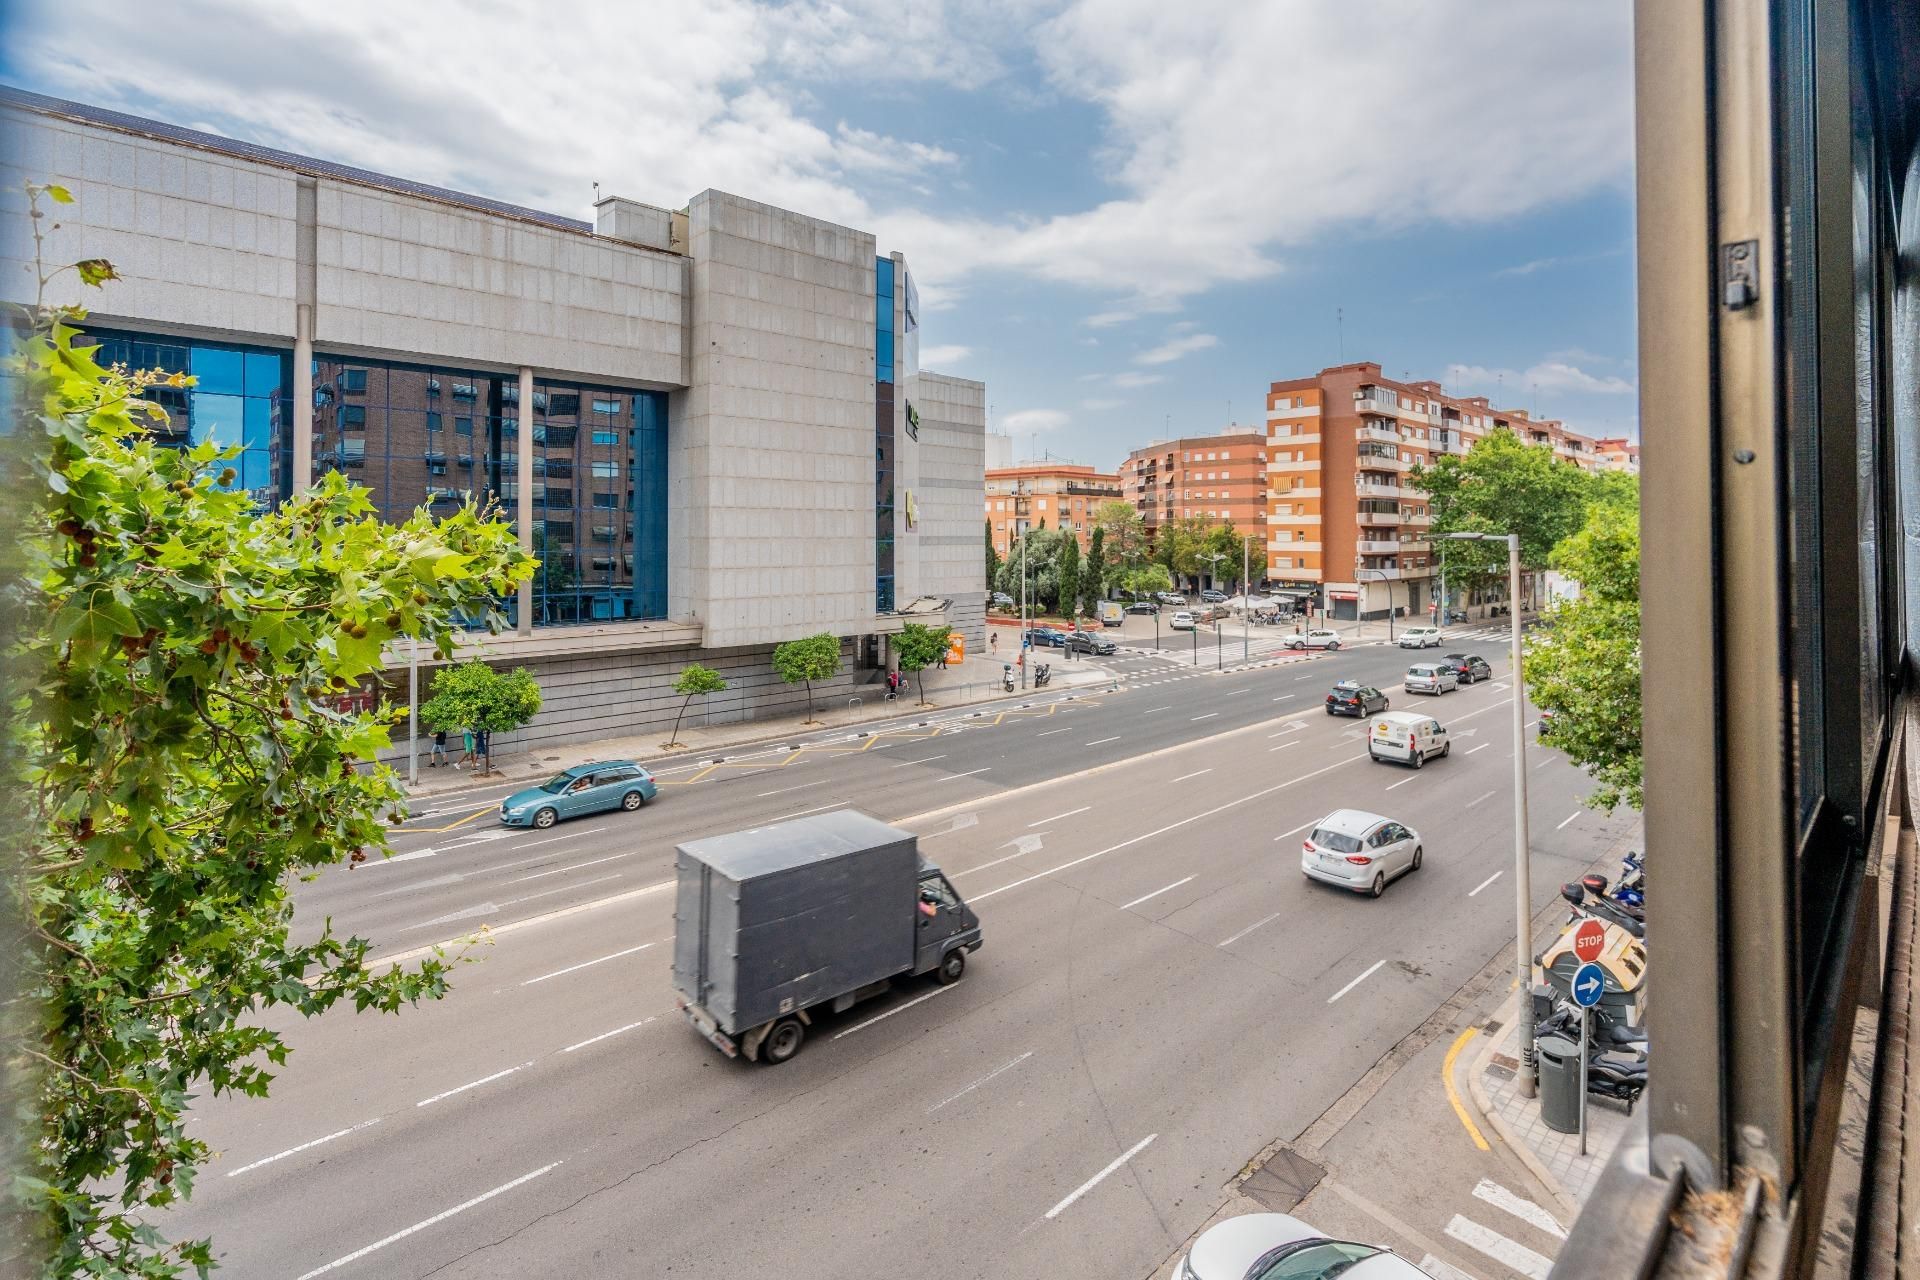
x=782, y=917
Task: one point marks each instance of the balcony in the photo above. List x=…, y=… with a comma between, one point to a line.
x=1378, y=546
x=1283, y=415
x=1288, y=495
x=1378, y=432
x=1298, y=465
x=1282, y=548
x=1377, y=519
x=1372, y=401
x=1374, y=489
x=1386, y=575
x=1416, y=546
x=1375, y=462
x=1422, y=521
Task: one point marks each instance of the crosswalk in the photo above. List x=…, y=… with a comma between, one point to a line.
x=1522, y=1240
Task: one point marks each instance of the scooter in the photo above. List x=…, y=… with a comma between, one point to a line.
x=1614, y=1076
x=1006, y=677
x=1603, y=909
x=1607, y=1035
x=1632, y=900
x=1042, y=674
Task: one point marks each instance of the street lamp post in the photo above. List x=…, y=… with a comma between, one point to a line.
x=1522, y=881
x=1213, y=560
x=1246, y=598
x=1022, y=650
x=1389, y=581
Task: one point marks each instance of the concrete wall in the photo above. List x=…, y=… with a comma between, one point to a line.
x=952, y=490
x=771, y=468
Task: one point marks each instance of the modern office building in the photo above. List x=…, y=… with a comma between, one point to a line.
x=708, y=421
x=1217, y=478
x=1341, y=515
x=1054, y=495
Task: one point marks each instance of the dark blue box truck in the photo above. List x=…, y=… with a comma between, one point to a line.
x=775, y=923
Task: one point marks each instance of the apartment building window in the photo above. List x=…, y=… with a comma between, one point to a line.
x=1284, y=562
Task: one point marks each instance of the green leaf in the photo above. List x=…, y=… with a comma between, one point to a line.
x=58, y=193
x=95, y=618
x=95, y=271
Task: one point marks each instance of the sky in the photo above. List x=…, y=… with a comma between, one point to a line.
x=1127, y=217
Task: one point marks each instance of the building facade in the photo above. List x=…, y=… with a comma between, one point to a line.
x=709, y=423
x=1217, y=478
x=1054, y=495
x=1342, y=517
x=1617, y=453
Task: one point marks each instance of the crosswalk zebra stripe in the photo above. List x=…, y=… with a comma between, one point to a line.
x=1525, y=1210
x=1439, y=1270
x=1509, y=1254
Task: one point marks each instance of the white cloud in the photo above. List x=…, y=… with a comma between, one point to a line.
x=1131, y=379
x=1176, y=348
x=1107, y=319
x=1564, y=260
x=864, y=150
x=1548, y=375
x=938, y=356
x=1098, y=406
x=1034, y=420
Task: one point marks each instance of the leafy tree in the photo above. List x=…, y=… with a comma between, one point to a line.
x=1583, y=662
x=1503, y=486
x=1126, y=532
x=1067, y=572
x=918, y=647
x=693, y=681
x=472, y=695
x=808, y=659
x=1043, y=547
x=993, y=558
x=178, y=767
x=1177, y=544
x=1143, y=580
x=1094, y=578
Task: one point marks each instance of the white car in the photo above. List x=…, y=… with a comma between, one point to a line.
x=1182, y=621
x=1275, y=1246
x=1421, y=638
x=1360, y=851
x=1431, y=677
x=1328, y=640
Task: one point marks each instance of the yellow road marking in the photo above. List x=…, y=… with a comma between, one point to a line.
x=450, y=826
x=1453, y=1096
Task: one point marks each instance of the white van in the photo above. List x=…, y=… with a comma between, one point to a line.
x=1407, y=736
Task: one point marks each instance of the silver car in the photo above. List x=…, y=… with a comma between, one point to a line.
x=1360, y=851
x=1431, y=677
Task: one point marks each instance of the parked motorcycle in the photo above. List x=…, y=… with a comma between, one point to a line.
x=1006, y=677
x=1042, y=674
x=1630, y=900
x=1604, y=909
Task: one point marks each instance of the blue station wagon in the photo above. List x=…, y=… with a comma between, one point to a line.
x=583, y=789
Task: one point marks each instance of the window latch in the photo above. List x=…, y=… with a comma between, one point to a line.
x=1739, y=274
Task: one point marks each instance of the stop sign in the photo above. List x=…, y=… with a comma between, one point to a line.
x=1588, y=939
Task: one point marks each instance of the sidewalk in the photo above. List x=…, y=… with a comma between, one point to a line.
x=978, y=680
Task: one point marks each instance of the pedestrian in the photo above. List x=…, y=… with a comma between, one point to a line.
x=993, y=643
x=466, y=753
x=439, y=749
x=486, y=758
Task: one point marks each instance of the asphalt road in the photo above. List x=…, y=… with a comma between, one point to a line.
x=1160, y=995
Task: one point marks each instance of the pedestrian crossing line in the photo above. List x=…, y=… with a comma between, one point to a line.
x=1519, y=1206
x=1508, y=1253
x=1438, y=1270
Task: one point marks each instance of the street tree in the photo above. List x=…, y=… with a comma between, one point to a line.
x=179, y=767
x=1143, y=581
x=693, y=681
x=808, y=659
x=993, y=559
x=1068, y=572
x=1501, y=485
x=918, y=647
x=472, y=695
x=1042, y=569
x=1126, y=532
x=1094, y=577
x=1178, y=545
x=1583, y=662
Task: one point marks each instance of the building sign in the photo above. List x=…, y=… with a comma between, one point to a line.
x=913, y=421
x=913, y=511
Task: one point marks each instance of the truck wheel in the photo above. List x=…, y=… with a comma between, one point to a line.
x=783, y=1041
x=952, y=965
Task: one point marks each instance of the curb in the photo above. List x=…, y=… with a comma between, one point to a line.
x=1516, y=1146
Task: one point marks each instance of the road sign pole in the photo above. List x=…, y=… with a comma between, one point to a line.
x=1586, y=1025
x=1589, y=984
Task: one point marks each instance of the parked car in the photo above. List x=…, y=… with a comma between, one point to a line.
x=1468, y=668
x=1001, y=600
x=1170, y=597
x=1360, y=851
x=1351, y=698
x=1091, y=642
x=1276, y=1246
x=1328, y=640
x=1431, y=677
x=1046, y=638
x=1143, y=606
x=1420, y=638
x=1409, y=737
x=1211, y=596
x=1182, y=621
x=586, y=788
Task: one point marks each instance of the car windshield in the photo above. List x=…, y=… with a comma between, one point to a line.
x=557, y=783
x=1338, y=841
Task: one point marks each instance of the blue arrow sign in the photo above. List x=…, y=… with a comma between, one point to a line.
x=1589, y=984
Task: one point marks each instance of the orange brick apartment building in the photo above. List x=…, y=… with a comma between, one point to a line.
x=1216, y=478
x=1062, y=495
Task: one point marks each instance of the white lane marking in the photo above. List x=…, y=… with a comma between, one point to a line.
x=1149, y=711
x=472, y=1084
x=1371, y=970
x=1569, y=818
x=982, y=1080
x=1210, y=715
x=1049, y=733
x=1298, y=679
x=1502, y=685
x=1156, y=893
x=400, y=857
x=1544, y=763
x=1515, y=1257
x=1196, y=773
x=1250, y=928
x=1056, y=817
x=1025, y=849
x=1519, y=1206
x=1439, y=1270
x=1482, y=747
x=899, y=1008
x=437, y=1218
x=294, y=1151
x=923, y=760
x=571, y=835
x=548, y=893
x=1295, y=727
x=515, y=926
x=1532, y=723
x=797, y=787
x=607, y=1035
x=817, y=808
x=560, y=871
x=1403, y=782
x=1484, y=883
x=1234, y=693
x=1100, y=742
x=969, y=773
x=574, y=968
x=1283, y=697
x=1296, y=831
x=1283, y=746
x=1095, y=1180
x=1171, y=826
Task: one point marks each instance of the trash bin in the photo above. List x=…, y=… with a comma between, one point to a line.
x=1559, y=1060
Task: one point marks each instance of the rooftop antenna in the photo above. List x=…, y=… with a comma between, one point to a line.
x=596, y=193
x=1340, y=325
